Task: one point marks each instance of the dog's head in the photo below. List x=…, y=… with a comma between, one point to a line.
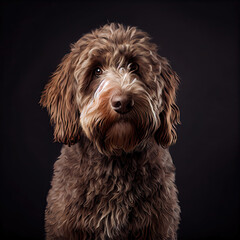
x=116, y=89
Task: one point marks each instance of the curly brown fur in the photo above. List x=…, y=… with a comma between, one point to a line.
x=115, y=178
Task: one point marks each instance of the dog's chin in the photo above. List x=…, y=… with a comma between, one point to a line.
x=121, y=137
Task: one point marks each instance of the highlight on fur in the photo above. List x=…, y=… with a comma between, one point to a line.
x=112, y=100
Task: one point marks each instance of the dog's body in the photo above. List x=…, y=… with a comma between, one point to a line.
x=112, y=100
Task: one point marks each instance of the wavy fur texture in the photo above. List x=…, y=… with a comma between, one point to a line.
x=114, y=178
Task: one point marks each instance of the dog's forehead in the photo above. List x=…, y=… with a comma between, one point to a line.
x=119, y=40
x=112, y=54
x=109, y=48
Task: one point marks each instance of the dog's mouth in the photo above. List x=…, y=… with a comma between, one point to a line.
x=122, y=135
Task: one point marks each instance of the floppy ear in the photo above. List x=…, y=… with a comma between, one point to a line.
x=170, y=114
x=59, y=97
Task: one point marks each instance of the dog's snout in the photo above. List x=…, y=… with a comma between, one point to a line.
x=122, y=103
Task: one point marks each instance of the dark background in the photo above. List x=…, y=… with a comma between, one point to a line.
x=201, y=40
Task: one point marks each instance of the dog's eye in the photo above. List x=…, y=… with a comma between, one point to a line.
x=97, y=71
x=134, y=67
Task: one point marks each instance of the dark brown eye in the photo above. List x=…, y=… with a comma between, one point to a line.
x=134, y=67
x=97, y=71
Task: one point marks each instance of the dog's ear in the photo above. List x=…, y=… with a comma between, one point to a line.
x=170, y=114
x=59, y=97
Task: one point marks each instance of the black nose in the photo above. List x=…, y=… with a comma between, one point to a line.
x=122, y=103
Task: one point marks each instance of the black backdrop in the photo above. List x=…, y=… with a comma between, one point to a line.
x=201, y=40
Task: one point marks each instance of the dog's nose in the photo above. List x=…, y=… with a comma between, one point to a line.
x=122, y=103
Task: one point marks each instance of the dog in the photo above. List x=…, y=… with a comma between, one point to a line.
x=112, y=101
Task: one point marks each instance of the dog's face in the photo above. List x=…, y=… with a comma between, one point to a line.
x=116, y=89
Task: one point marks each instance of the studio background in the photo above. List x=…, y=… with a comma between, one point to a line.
x=201, y=41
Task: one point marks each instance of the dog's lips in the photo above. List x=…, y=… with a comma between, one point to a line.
x=121, y=135
x=122, y=126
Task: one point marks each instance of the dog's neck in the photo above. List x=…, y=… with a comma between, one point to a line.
x=86, y=152
x=86, y=145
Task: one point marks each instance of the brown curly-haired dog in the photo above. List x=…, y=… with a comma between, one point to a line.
x=112, y=101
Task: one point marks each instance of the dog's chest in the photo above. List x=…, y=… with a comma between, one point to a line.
x=112, y=193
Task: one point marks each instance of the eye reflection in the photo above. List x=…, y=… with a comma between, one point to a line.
x=97, y=71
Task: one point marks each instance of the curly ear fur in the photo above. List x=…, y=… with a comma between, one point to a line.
x=170, y=114
x=59, y=99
